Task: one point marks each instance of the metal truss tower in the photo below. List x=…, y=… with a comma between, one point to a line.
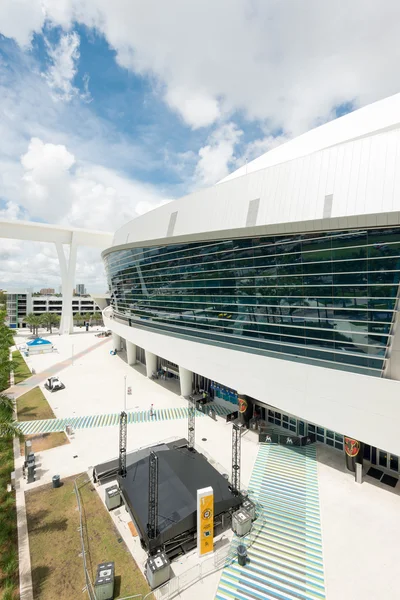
x=123, y=423
x=152, y=525
x=191, y=423
x=236, y=444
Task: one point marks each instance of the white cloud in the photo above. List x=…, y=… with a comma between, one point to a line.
x=289, y=62
x=45, y=191
x=58, y=190
x=11, y=211
x=218, y=154
x=197, y=108
x=63, y=68
x=19, y=19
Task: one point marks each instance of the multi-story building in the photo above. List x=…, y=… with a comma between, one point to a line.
x=47, y=291
x=280, y=286
x=21, y=302
x=80, y=289
x=18, y=305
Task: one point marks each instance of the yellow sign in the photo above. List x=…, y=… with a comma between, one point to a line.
x=206, y=529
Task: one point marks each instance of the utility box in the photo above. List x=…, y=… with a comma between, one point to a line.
x=113, y=497
x=158, y=570
x=31, y=476
x=250, y=507
x=241, y=522
x=104, y=582
x=28, y=449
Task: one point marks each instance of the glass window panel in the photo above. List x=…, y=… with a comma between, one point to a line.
x=339, y=445
x=367, y=452
x=324, y=298
x=394, y=462
x=320, y=438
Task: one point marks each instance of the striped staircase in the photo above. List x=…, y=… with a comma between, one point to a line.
x=284, y=546
x=93, y=421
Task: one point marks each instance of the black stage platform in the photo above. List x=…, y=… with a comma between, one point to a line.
x=181, y=472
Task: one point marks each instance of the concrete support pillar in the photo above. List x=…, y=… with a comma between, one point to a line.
x=131, y=353
x=116, y=341
x=186, y=380
x=151, y=363
x=67, y=284
x=354, y=451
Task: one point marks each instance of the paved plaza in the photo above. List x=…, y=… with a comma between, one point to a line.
x=322, y=535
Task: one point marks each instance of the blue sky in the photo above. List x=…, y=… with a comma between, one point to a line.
x=110, y=109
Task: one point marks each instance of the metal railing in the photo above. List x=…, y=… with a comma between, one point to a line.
x=89, y=585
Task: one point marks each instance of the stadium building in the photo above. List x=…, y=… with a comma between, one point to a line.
x=280, y=286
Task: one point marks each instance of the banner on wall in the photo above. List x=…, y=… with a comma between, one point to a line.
x=205, y=521
x=353, y=452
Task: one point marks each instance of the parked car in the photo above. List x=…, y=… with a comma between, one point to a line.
x=53, y=384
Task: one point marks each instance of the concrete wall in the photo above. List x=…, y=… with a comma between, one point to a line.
x=366, y=408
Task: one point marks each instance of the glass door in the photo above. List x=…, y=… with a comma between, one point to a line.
x=383, y=459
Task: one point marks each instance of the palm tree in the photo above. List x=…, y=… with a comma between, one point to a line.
x=45, y=319
x=28, y=319
x=55, y=320
x=49, y=319
x=78, y=318
x=36, y=322
x=8, y=426
x=87, y=316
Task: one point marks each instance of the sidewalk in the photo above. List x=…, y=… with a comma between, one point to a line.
x=15, y=391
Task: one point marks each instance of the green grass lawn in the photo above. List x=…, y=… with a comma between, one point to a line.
x=53, y=521
x=33, y=406
x=21, y=372
x=8, y=526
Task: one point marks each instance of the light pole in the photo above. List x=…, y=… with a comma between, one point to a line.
x=125, y=393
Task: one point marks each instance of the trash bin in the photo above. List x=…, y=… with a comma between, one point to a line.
x=56, y=481
x=242, y=555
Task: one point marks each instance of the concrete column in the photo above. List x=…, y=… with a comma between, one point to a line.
x=67, y=283
x=131, y=353
x=151, y=363
x=116, y=341
x=185, y=377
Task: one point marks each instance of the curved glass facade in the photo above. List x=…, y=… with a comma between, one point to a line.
x=323, y=298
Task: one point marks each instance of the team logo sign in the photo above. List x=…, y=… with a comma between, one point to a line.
x=242, y=405
x=352, y=447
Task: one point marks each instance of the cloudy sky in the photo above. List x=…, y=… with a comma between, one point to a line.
x=109, y=108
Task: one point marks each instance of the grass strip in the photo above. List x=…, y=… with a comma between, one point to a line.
x=33, y=406
x=9, y=578
x=21, y=371
x=53, y=521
